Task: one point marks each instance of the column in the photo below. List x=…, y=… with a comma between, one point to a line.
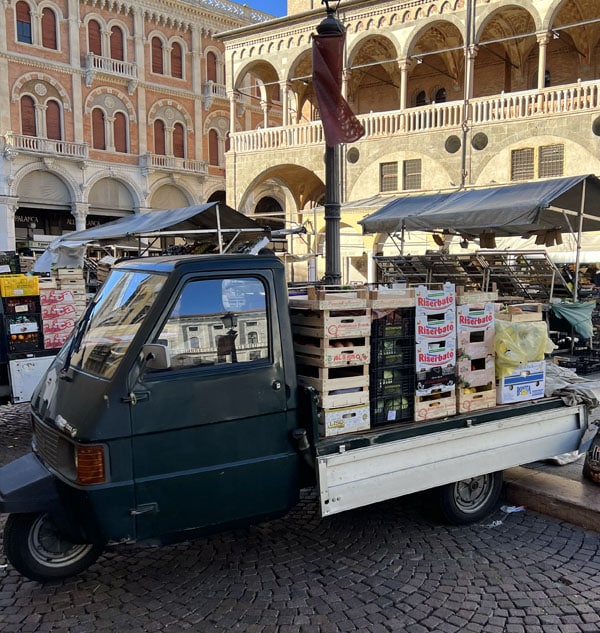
x=404, y=66
x=8, y=209
x=3, y=33
x=79, y=211
x=285, y=102
x=345, y=82
x=197, y=84
x=470, y=78
x=140, y=61
x=542, y=39
x=265, y=108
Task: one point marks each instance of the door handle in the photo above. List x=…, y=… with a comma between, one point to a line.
x=136, y=396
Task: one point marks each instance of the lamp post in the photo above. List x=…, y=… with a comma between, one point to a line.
x=331, y=26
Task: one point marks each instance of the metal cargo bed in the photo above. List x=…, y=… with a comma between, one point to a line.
x=359, y=470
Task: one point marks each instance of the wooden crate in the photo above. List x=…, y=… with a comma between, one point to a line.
x=336, y=386
x=332, y=324
x=475, y=372
x=522, y=312
x=391, y=298
x=338, y=421
x=317, y=299
x=483, y=397
x=440, y=404
x=323, y=352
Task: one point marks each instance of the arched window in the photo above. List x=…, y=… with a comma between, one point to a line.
x=98, y=132
x=213, y=147
x=53, y=126
x=157, y=56
x=94, y=38
x=276, y=93
x=159, y=138
x=120, y=132
x=178, y=141
x=440, y=95
x=23, y=23
x=116, y=44
x=49, y=29
x=28, y=126
x=176, y=61
x=211, y=66
x=421, y=99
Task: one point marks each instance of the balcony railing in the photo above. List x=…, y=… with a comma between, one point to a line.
x=50, y=147
x=579, y=97
x=172, y=163
x=99, y=63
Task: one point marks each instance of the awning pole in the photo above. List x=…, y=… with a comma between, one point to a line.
x=219, y=236
x=578, y=251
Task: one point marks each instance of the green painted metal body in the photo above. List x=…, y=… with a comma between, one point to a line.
x=189, y=451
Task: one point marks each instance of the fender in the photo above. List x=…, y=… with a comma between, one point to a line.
x=27, y=486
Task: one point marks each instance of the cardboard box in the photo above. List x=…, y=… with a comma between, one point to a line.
x=430, y=301
x=344, y=420
x=49, y=296
x=435, y=354
x=526, y=383
x=56, y=340
x=476, y=344
x=435, y=326
x=474, y=372
x=475, y=317
x=62, y=325
x=59, y=310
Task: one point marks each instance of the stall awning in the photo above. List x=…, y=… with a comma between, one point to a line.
x=202, y=217
x=506, y=210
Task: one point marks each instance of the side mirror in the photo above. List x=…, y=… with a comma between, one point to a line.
x=156, y=357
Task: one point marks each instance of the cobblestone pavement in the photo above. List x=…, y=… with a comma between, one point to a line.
x=389, y=567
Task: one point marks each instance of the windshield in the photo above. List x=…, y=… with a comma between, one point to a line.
x=100, y=341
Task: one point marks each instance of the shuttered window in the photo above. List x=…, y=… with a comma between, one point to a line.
x=28, y=127
x=211, y=67
x=49, y=29
x=94, y=38
x=178, y=141
x=53, y=126
x=98, y=133
x=157, y=56
x=120, y=133
x=159, y=138
x=176, y=61
x=116, y=44
x=213, y=147
x=388, y=177
x=23, y=23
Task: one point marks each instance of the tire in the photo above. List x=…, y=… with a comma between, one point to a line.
x=37, y=550
x=470, y=500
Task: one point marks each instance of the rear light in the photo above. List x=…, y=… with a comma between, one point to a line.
x=89, y=464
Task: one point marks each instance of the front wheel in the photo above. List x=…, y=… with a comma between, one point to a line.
x=37, y=550
x=470, y=500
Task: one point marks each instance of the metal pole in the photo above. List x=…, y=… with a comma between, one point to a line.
x=333, y=275
x=579, y=232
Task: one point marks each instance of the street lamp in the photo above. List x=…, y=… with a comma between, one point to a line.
x=339, y=126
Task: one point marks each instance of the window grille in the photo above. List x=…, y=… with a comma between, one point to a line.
x=551, y=161
x=522, y=164
x=388, y=177
x=411, y=177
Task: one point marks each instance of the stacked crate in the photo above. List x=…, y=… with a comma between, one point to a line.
x=476, y=357
x=21, y=321
x=392, y=372
x=73, y=280
x=435, y=333
x=331, y=341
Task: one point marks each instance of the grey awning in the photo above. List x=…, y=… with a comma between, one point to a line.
x=506, y=210
x=209, y=217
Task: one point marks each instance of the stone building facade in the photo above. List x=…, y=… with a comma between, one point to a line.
x=111, y=108
x=451, y=93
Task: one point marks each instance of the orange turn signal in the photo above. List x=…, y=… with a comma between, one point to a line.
x=89, y=464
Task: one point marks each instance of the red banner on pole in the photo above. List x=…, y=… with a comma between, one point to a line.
x=339, y=123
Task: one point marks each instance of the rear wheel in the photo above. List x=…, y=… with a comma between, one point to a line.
x=470, y=500
x=37, y=550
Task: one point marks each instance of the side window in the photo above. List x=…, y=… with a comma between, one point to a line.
x=218, y=321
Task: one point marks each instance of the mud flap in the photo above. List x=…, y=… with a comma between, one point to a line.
x=27, y=486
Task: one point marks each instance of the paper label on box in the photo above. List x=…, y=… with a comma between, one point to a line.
x=478, y=319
